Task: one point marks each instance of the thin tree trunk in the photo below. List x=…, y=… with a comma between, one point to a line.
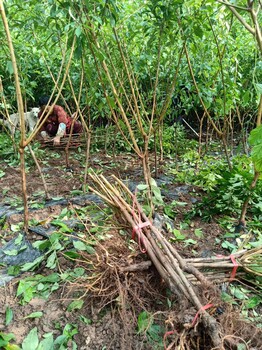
x=40, y=172
x=242, y=219
x=21, y=114
x=88, y=142
x=155, y=156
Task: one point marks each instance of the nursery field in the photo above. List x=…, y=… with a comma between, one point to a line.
x=130, y=175
x=79, y=281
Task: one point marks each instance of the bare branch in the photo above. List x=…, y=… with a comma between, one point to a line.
x=231, y=5
x=238, y=16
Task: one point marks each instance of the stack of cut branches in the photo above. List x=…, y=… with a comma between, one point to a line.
x=173, y=269
x=219, y=268
x=222, y=268
x=70, y=141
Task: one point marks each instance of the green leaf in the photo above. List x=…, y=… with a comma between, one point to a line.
x=9, y=67
x=256, y=156
x=52, y=278
x=227, y=298
x=79, y=245
x=190, y=241
x=31, y=341
x=228, y=245
x=78, y=31
x=36, y=314
x=144, y=321
x=76, y=192
x=79, y=271
x=26, y=290
x=63, y=213
x=85, y=319
x=90, y=249
x=12, y=347
x=2, y=173
x=15, y=227
x=62, y=225
x=198, y=232
x=51, y=261
x=31, y=265
x=41, y=286
x=169, y=211
x=13, y=270
x=19, y=239
x=142, y=187
x=83, y=247
x=238, y=293
x=157, y=194
x=57, y=198
x=61, y=339
x=178, y=235
x=48, y=343
x=253, y=302
x=255, y=136
x=12, y=252
x=198, y=31
x=3, y=343
x=259, y=87
x=112, y=102
x=5, y=337
x=75, y=305
x=71, y=255
x=8, y=315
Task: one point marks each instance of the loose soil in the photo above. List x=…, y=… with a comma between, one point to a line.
x=108, y=318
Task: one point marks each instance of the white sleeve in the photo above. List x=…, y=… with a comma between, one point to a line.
x=43, y=134
x=61, y=130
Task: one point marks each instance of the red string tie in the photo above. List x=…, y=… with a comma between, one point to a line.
x=137, y=231
x=166, y=335
x=234, y=262
x=234, y=271
x=201, y=309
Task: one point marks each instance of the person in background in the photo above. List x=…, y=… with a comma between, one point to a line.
x=58, y=123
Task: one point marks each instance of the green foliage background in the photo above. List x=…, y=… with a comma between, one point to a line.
x=226, y=63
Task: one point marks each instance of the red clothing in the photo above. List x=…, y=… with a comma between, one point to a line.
x=57, y=116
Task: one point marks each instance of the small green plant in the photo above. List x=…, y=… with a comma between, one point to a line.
x=147, y=326
x=247, y=300
x=171, y=209
x=39, y=285
x=32, y=341
x=5, y=341
x=228, y=192
x=8, y=315
x=156, y=195
x=178, y=236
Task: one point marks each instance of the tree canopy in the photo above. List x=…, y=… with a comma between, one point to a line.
x=225, y=59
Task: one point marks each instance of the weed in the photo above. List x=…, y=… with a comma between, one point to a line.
x=153, y=332
x=32, y=341
x=5, y=341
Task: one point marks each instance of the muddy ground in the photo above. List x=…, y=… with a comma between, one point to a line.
x=103, y=321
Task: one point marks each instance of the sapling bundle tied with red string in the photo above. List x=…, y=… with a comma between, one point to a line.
x=185, y=277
